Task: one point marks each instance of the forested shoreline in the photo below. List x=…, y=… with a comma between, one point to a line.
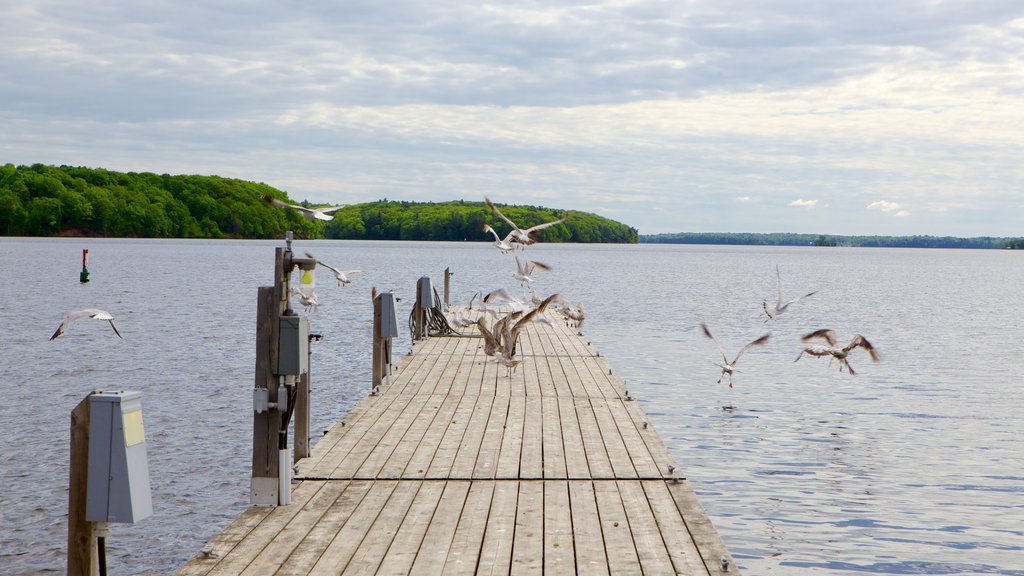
x=42, y=200
x=787, y=239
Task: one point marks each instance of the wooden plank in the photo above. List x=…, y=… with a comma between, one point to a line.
x=349, y=453
x=531, y=457
x=451, y=443
x=588, y=541
x=486, y=465
x=406, y=544
x=559, y=555
x=597, y=455
x=698, y=524
x=554, y=452
x=381, y=534
x=469, y=534
x=643, y=461
x=682, y=551
x=398, y=462
x=433, y=553
x=284, y=542
x=512, y=439
x=650, y=548
x=618, y=454
x=528, y=544
x=309, y=550
x=618, y=540
x=424, y=454
x=348, y=539
x=465, y=459
x=573, y=449
x=496, y=550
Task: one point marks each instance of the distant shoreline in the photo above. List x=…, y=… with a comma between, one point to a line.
x=829, y=240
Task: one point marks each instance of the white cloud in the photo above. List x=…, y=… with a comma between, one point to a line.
x=801, y=203
x=885, y=206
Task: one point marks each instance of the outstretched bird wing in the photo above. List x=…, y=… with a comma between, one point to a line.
x=757, y=342
x=861, y=341
x=827, y=333
x=533, y=229
x=499, y=214
x=721, y=350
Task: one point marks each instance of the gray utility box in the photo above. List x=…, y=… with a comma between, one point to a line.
x=388, y=316
x=118, y=476
x=293, y=348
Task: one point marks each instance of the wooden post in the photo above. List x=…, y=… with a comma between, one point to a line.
x=301, y=448
x=377, y=372
x=419, y=319
x=83, y=556
x=266, y=423
x=447, y=280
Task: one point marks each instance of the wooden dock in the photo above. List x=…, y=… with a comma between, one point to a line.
x=456, y=468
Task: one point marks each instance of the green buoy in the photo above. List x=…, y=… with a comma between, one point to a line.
x=84, y=276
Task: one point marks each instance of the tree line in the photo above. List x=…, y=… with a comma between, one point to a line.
x=42, y=200
x=788, y=239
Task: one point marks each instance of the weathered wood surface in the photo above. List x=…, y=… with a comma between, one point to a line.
x=456, y=468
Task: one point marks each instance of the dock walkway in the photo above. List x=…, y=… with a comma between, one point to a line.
x=456, y=468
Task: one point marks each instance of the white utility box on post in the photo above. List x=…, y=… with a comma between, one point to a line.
x=293, y=346
x=118, y=474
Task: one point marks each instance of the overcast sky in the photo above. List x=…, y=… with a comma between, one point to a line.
x=846, y=117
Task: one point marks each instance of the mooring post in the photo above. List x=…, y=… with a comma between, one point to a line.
x=447, y=280
x=385, y=327
x=83, y=554
x=424, y=301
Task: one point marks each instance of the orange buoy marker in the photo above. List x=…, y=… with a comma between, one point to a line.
x=84, y=276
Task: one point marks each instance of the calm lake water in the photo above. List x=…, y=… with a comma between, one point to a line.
x=913, y=466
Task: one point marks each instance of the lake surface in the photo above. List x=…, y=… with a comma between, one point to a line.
x=913, y=466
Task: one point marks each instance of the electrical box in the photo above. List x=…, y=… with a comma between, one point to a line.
x=426, y=295
x=388, y=316
x=118, y=477
x=293, y=346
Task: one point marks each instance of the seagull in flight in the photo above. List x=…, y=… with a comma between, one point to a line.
x=524, y=270
x=342, y=276
x=727, y=366
x=307, y=213
x=503, y=244
x=94, y=313
x=518, y=234
x=778, y=308
x=833, y=350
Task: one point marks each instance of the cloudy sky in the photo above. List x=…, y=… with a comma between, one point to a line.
x=839, y=117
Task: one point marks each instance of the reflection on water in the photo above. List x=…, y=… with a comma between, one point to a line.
x=910, y=467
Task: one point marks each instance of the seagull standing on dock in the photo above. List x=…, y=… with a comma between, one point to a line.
x=307, y=213
x=518, y=234
x=779, y=307
x=93, y=313
x=727, y=366
x=834, y=351
x=340, y=275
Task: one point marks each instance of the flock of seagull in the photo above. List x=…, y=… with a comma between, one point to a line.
x=505, y=315
x=831, y=349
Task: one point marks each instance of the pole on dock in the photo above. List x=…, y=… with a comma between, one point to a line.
x=385, y=327
x=277, y=393
x=447, y=281
x=83, y=553
x=424, y=302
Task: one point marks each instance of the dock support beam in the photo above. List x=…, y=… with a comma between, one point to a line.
x=424, y=302
x=83, y=554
